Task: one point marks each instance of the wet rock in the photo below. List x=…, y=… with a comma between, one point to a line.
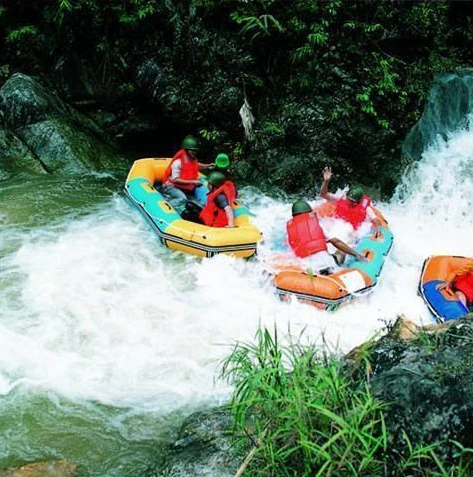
x=403, y=329
x=15, y=156
x=59, y=468
x=423, y=373
x=63, y=148
x=57, y=137
x=203, y=447
x=428, y=382
x=24, y=101
x=448, y=104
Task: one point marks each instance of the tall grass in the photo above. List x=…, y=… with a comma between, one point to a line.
x=300, y=414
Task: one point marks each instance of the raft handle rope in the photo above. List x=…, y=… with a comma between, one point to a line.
x=324, y=277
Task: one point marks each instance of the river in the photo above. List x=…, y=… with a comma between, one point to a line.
x=108, y=340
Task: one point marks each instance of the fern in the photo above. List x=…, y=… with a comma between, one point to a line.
x=20, y=33
x=65, y=5
x=260, y=25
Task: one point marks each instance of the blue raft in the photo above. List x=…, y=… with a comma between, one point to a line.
x=439, y=298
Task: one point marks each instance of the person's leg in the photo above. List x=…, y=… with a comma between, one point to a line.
x=461, y=297
x=321, y=262
x=177, y=197
x=192, y=212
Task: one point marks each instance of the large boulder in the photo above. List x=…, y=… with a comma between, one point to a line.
x=24, y=101
x=449, y=102
x=59, y=138
x=425, y=375
x=15, y=156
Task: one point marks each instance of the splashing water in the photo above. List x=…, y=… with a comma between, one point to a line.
x=93, y=308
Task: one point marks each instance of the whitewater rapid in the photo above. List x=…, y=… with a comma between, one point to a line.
x=94, y=308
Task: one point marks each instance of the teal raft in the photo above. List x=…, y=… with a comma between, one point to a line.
x=353, y=279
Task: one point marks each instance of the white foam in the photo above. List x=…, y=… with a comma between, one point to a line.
x=96, y=308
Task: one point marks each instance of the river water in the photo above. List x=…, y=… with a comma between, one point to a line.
x=108, y=340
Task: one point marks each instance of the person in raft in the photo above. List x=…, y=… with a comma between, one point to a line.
x=222, y=164
x=353, y=206
x=181, y=178
x=307, y=239
x=218, y=211
x=461, y=283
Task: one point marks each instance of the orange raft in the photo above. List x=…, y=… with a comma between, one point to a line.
x=433, y=286
x=355, y=278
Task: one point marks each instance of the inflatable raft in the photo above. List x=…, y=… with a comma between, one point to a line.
x=354, y=279
x=183, y=235
x=440, y=299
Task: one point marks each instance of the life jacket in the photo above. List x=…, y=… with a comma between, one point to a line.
x=464, y=283
x=232, y=189
x=189, y=170
x=355, y=214
x=305, y=235
x=212, y=215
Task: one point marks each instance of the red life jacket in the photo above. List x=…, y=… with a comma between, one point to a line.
x=212, y=215
x=305, y=235
x=231, y=189
x=355, y=214
x=464, y=283
x=189, y=170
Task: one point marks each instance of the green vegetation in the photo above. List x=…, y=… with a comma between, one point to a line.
x=323, y=41
x=301, y=413
x=330, y=80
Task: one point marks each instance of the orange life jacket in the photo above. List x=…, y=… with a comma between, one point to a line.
x=189, y=170
x=305, y=235
x=355, y=214
x=464, y=283
x=212, y=215
x=467, y=268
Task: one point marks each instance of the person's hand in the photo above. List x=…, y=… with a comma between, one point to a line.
x=444, y=286
x=327, y=173
x=210, y=167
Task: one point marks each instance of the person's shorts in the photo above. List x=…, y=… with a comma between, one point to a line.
x=321, y=262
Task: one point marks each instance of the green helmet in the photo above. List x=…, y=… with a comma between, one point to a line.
x=190, y=142
x=300, y=207
x=355, y=193
x=222, y=161
x=216, y=178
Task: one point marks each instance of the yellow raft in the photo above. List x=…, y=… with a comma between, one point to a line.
x=183, y=235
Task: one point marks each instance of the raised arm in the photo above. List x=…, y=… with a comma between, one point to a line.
x=324, y=189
